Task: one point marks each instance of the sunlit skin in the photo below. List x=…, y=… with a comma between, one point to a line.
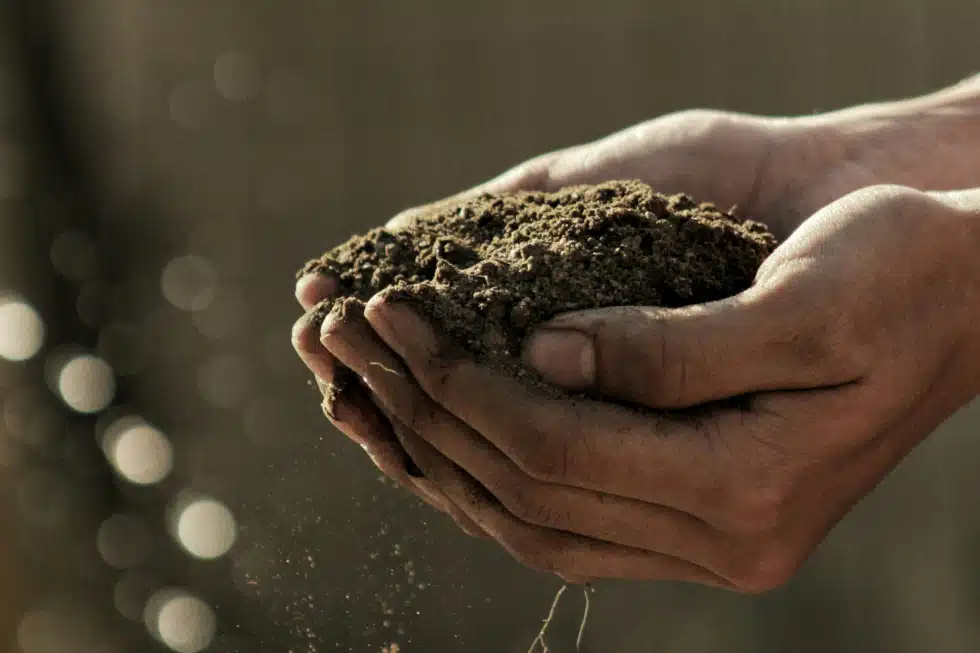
x=856, y=340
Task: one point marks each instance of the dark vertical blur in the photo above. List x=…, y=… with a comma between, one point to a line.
x=167, y=479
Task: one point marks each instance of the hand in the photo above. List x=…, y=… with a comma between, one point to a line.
x=355, y=414
x=776, y=170
x=854, y=344
x=766, y=166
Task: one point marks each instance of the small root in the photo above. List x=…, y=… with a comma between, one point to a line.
x=547, y=622
x=585, y=617
x=586, y=589
x=387, y=369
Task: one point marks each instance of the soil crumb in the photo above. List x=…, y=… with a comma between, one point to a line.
x=343, y=380
x=487, y=270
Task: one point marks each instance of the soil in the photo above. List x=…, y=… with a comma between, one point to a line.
x=486, y=271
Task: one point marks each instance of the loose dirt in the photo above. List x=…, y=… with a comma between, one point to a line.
x=486, y=271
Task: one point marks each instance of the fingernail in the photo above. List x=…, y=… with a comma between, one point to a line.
x=563, y=357
x=330, y=410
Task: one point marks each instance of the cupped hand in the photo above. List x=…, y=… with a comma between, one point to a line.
x=776, y=170
x=354, y=412
x=853, y=344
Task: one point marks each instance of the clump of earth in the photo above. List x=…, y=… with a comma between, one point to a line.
x=487, y=270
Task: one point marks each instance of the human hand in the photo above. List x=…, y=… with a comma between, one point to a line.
x=776, y=170
x=854, y=344
x=355, y=414
x=723, y=157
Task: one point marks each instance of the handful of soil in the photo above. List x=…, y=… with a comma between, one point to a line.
x=486, y=271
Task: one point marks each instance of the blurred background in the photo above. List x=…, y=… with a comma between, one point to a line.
x=167, y=480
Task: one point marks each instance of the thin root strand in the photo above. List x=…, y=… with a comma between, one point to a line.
x=387, y=369
x=547, y=622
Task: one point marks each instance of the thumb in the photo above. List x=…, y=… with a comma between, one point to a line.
x=757, y=341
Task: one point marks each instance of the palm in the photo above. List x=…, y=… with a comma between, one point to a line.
x=775, y=171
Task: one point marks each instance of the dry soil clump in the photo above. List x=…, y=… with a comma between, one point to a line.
x=487, y=270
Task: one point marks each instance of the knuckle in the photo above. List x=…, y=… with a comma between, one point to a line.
x=893, y=198
x=765, y=567
x=543, y=172
x=702, y=120
x=530, y=506
x=532, y=552
x=754, y=510
x=546, y=460
x=831, y=338
x=665, y=372
x=674, y=373
x=419, y=416
x=436, y=374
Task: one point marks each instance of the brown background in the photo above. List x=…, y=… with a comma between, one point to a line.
x=332, y=116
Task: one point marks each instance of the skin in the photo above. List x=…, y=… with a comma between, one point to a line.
x=853, y=344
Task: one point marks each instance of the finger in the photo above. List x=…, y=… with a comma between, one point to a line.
x=312, y=288
x=355, y=416
x=586, y=512
x=676, y=153
x=593, y=514
x=670, y=461
x=306, y=342
x=761, y=340
x=337, y=333
x=567, y=508
x=547, y=549
x=465, y=524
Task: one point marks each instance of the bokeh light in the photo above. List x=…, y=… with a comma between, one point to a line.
x=131, y=593
x=139, y=452
x=205, y=528
x=123, y=541
x=41, y=631
x=180, y=620
x=21, y=330
x=86, y=383
x=189, y=282
x=236, y=76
